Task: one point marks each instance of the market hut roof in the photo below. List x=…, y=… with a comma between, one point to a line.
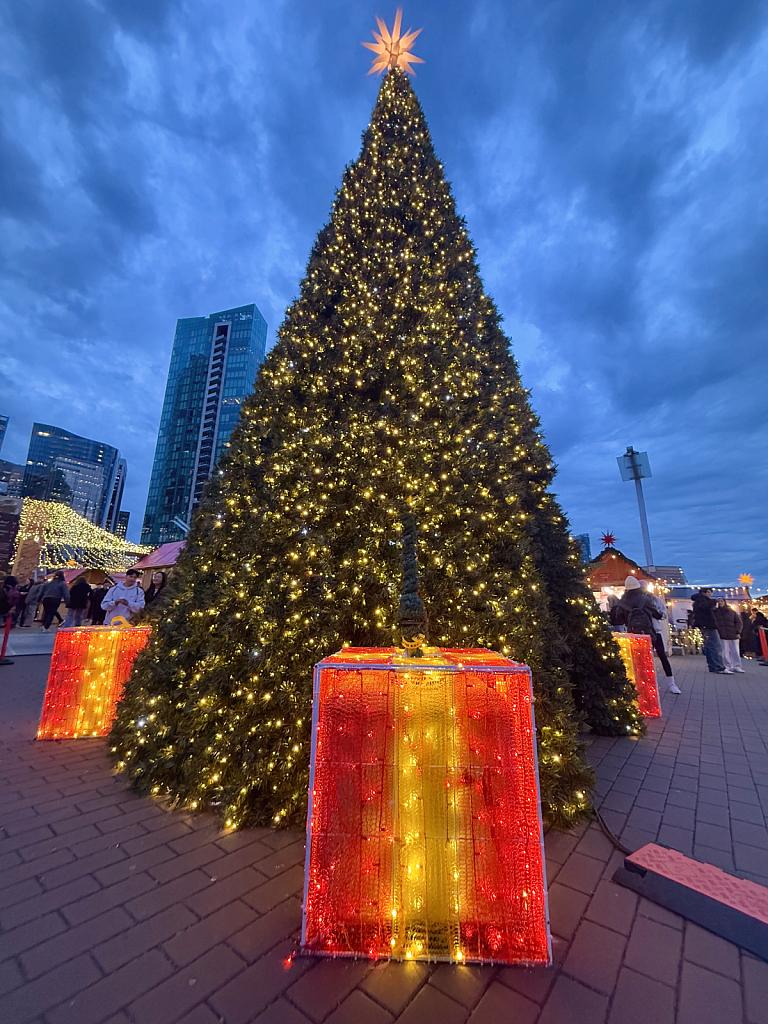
x=163, y=556
x=611, y=567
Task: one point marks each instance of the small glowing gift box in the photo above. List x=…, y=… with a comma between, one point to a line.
x=637, y=655
x=89, y=668
x=424, y=836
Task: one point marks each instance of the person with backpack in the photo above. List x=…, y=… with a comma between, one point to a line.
x=704, y=619
x=639, y=610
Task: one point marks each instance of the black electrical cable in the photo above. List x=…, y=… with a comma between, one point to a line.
x=616, y=842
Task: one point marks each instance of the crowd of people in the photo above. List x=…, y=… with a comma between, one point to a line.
x=39, y=602
x=728, y=635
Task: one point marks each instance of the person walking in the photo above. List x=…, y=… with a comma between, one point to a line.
x=79, y=596
x=34, y=597
x=639, y=612
x=54, y=593
x=729, y=627
x=704, y=619
x=124, y=599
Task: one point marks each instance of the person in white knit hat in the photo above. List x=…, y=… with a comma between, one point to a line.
x=640, y=610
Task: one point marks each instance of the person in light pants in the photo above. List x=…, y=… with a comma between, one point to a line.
x=729, y=626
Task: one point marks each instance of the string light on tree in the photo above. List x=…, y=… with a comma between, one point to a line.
x=391, y=380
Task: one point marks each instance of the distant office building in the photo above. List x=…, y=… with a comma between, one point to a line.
x=3, y=425
x=86, y=475
x=213, y=367
x=582, y=539
x=123, y=518
x=11, y=479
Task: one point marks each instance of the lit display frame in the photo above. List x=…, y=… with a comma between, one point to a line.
x=474, y=909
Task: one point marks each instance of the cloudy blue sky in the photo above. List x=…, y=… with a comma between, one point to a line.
x=169, y=158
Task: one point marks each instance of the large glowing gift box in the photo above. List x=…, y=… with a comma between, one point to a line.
x=637, y=655
x=89, y=668
x=424, y=834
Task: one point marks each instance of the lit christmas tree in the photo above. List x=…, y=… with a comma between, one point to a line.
x=391, y=386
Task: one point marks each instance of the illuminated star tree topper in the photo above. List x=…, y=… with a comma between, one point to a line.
x=393, y=49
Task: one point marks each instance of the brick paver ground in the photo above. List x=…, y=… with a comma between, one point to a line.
x=115, y=910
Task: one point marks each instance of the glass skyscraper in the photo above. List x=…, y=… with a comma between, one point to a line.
x=213, y=367
x=86, y=475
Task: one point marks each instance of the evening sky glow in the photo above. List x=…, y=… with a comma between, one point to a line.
x=171, y=158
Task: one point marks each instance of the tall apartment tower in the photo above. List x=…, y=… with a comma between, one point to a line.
x=89, y=476
x=213, y=367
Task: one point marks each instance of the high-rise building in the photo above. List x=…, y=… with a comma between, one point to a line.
x=582, y=539
x=11, y=479
x=213, y=368
x=86, y=475
x=123, y=518
x=3, y=425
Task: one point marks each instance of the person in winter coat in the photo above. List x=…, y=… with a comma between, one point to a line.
x=748, y=640
x=21, y=606
x=96, y=613
x=54, y=593
x=639, y=612
x=704, y=619
x=729, y=627
x=126, y=599
x=34, y=597
x=9, y=598
x=12, y=593
x=79, y=596
x=153, y=591
x=759, y=621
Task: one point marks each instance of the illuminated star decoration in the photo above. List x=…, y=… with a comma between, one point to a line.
x=747, y=579
x=392, y=49
x=608, y=540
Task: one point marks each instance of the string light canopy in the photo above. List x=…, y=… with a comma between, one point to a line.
x=393, y=49
x=66, y=538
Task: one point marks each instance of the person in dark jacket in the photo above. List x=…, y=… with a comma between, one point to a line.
x=78, y=600
x=640, y=610
x=12, y=593
x=759, y=621
x=729, y=627
x=153, y=591
x=21, y=607
x=96, y=613
x=748, y=640
x=55, y=592
x=704, y=619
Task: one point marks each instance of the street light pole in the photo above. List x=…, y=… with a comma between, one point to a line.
x=634, y=466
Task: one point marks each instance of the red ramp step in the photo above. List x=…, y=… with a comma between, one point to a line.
x=731, y=907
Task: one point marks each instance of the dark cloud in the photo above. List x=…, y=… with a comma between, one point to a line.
x=166, y=158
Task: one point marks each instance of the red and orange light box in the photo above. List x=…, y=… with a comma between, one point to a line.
x=90, y=666
x=424, y=834
x=637, y=655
